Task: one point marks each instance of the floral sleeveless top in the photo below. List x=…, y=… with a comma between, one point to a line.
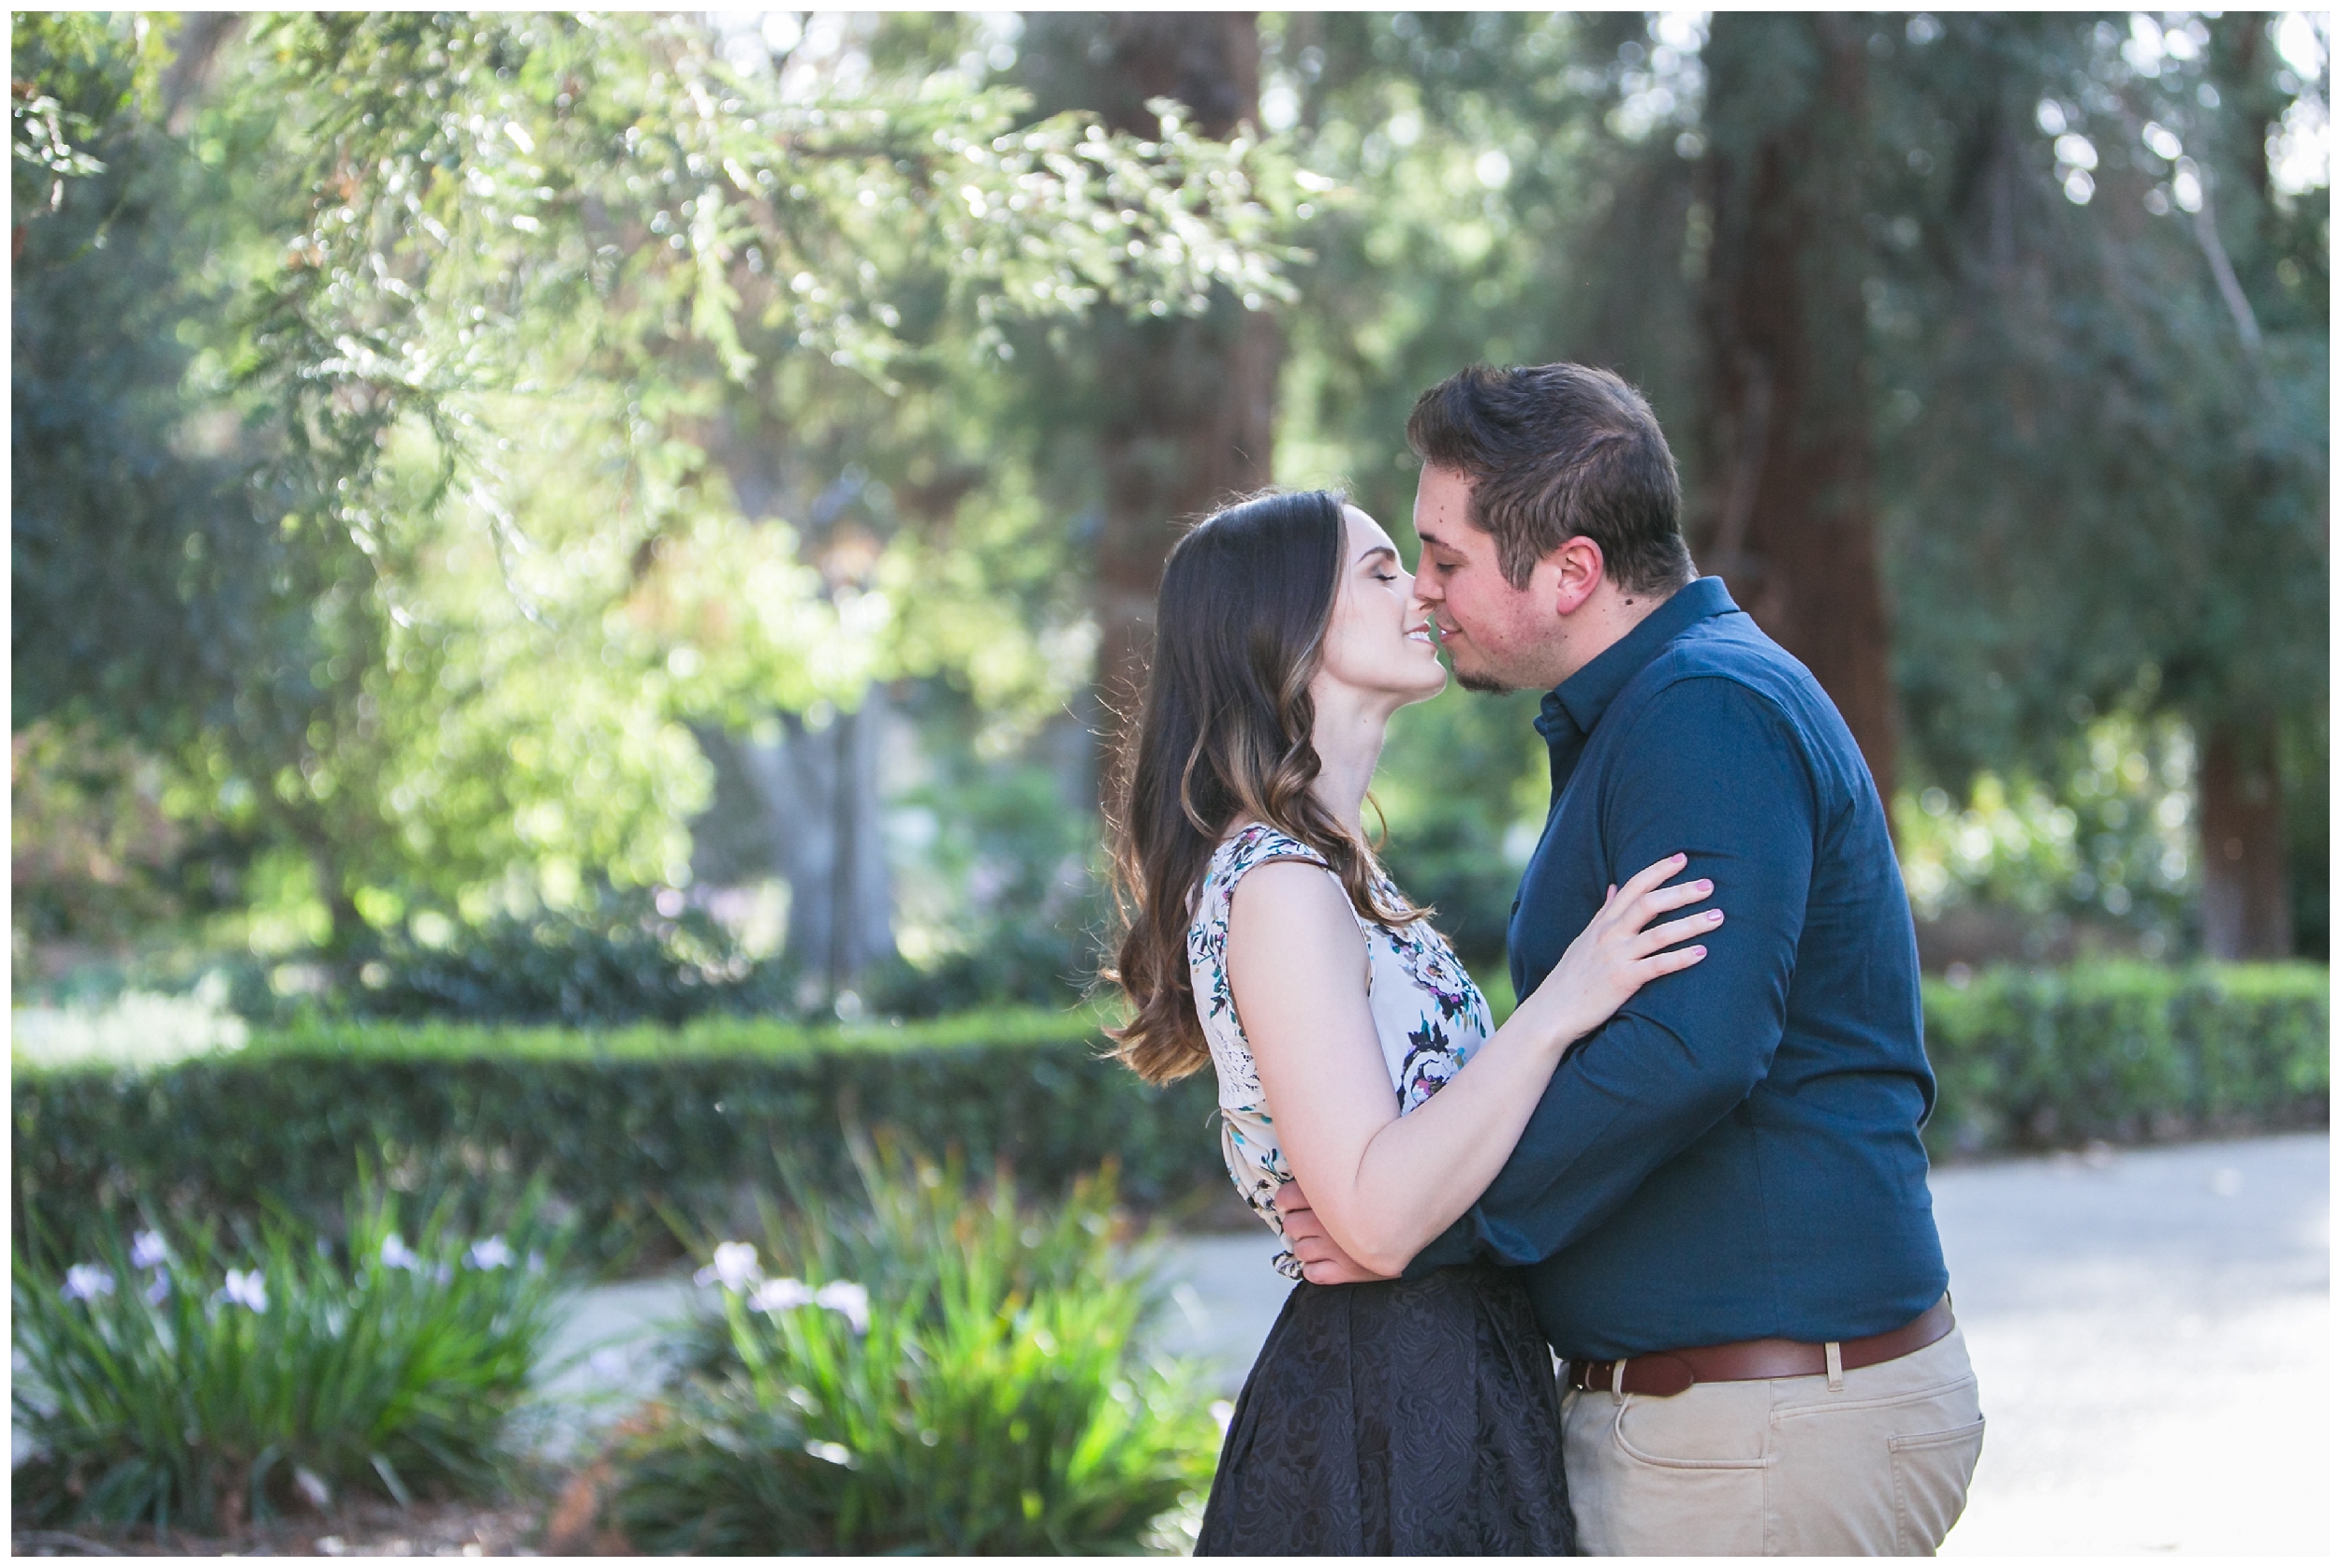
x=1427, y=1014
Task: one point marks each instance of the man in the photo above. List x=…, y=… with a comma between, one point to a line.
x=1721, y=1200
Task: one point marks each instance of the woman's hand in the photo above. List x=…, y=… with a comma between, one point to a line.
x=1620, y=951
x=1323, y=1261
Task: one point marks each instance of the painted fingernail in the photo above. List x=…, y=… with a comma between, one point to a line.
x=1700, y=951
x=1714, y=915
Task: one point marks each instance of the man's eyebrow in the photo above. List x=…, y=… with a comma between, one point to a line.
x=1429, y=540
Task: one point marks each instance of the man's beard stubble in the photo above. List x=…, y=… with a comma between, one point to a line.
x=1482, y=680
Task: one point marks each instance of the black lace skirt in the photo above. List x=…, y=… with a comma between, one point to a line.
x=1410, y=1418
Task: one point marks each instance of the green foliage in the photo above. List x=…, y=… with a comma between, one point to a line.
x=1471, y=196
x=2033, y=1058
x=492, y=455
x=996, y=893
x=2101, y=470
x=1463, y=788
x=2111, y=837
x=156, y=1394
x=626, y=956
x=638, y=1130
x=2306, y=749
x=2103, y=413
x=107, y=839
x=951, y=1372
x=629, y=1127
x=141, y=582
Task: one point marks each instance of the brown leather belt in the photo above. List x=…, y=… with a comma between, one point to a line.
x=1667, y=1373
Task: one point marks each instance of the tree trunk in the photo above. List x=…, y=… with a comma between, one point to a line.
x=1184, y=421
x=195, y=51
x=1194, y=433
x=1791, y=518
x=2246, y=904
x=804, y=806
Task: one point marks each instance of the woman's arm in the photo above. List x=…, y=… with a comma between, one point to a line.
x=1383, y=1185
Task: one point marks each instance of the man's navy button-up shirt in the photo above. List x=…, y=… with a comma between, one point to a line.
x=1735, y=1154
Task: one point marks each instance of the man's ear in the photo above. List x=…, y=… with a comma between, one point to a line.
x=1580, y=563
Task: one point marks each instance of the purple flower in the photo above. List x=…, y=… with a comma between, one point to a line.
x=397, y=1254
x=148, y=1250
x=735, y=1266
x=781, y=1296
x=494, y=1253
x=86, y=1281
x=848, y=1298
x=245, y=1290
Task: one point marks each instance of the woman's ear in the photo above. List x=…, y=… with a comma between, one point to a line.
x=1578, y=572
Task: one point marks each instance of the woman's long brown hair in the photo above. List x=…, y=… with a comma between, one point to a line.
x=1223, y=736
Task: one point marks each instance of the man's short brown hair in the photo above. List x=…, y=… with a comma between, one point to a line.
x=1556, y=452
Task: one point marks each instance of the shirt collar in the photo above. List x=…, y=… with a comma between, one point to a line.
x=1585, y=697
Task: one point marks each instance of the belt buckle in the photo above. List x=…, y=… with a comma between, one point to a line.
x=1656, y=1375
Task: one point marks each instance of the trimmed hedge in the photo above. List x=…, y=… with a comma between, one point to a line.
x=2125, y=1051
x=630, y=1126
x=633, y=1126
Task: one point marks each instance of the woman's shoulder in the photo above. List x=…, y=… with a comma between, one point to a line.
x=1247, y=847
x=1256, y=843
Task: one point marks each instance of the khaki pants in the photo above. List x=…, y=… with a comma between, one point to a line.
x=1875, y=1466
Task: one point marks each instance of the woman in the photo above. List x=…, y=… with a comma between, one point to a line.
x=1353, y=1052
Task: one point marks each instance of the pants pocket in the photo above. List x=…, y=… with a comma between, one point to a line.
x=1665, y=1477
x=1930, y=1474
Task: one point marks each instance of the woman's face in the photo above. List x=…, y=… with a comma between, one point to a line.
x=1379, y=640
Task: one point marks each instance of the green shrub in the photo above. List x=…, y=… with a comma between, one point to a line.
x=628, y=1128
x=635, y=1128
x=620, y=959
x=1030, y=961
x=2036, y=1058
x=948, y=1372
x=183, y=1379
x=911, y=1220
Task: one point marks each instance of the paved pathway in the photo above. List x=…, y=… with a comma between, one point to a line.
x=2150, y=1327
x=2152, y=1330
